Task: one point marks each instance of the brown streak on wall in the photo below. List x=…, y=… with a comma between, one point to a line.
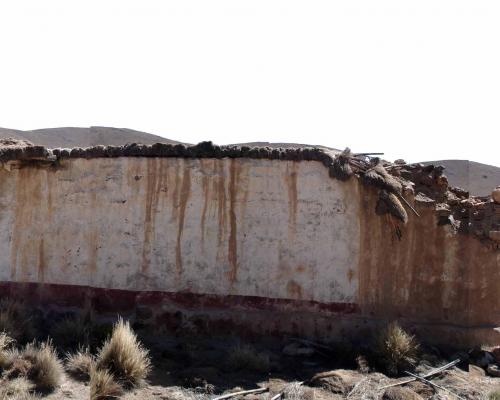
x=175, y=192
x=153, y=187
x=232, y=251
x=183, y=199
x=430, y=276
x=294, y=290
x=28, y=200
x=220, y=190
x=41, y=261
x=291, y=183
x=50, y=181
x=206, y=193
x=17, y=227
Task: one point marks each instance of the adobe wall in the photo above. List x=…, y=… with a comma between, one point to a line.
x=253, y=245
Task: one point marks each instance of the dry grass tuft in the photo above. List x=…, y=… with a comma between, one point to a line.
x=19, y=388
x=103, y=385
x=15, y=388
x=15, y=320
x=296, y=391
x=5, y=342
x=124, y=356
x=80, y=364
x=71, y=332
x=37, y=362
x=247, y=358
x=397, y=349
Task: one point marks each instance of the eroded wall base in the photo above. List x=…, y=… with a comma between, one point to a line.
x=245, y=316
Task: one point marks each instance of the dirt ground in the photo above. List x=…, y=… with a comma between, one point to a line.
x=192, y=368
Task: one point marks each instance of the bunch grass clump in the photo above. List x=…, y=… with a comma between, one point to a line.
x=5, y=342
x=80, y=363
x=18, y=389
x=397, y=348
x=103, y=385
x=124, y=356
x=247, y=358
x=38, y=363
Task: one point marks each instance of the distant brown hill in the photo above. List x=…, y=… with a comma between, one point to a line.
x=479, y=179
x=84, y=137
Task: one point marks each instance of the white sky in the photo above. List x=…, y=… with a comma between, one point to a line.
x=419, y=80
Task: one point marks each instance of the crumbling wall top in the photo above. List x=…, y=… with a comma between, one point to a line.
x=396, y=182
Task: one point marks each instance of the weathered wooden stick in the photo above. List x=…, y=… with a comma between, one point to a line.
x=419, y=378
x=368, y=154
x=229, y=395
x=409, y=205
x=427, y=375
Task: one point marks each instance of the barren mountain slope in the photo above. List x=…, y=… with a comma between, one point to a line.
x=83, y=137
x=479, y=179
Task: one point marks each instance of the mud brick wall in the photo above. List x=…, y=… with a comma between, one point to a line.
x=250, y=244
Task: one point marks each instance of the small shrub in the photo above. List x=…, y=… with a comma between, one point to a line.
x=124, y=356
x=71, y=332
x=79, y=364
x=397, y=348
x=247, y=358
x=40, y=364
x=15, y=320
x=102, y=385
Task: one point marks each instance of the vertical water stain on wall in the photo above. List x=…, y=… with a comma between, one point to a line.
x=50, y=182
x=27, y=214
x=21, y=187
x=93, y=234
x=294, y=290
x=291, y=183
x=153, y=187
x=205, y=188
x=183, y=199
x=175, y=192
x=219, y=186
x=42, y=265
x=232, y=251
